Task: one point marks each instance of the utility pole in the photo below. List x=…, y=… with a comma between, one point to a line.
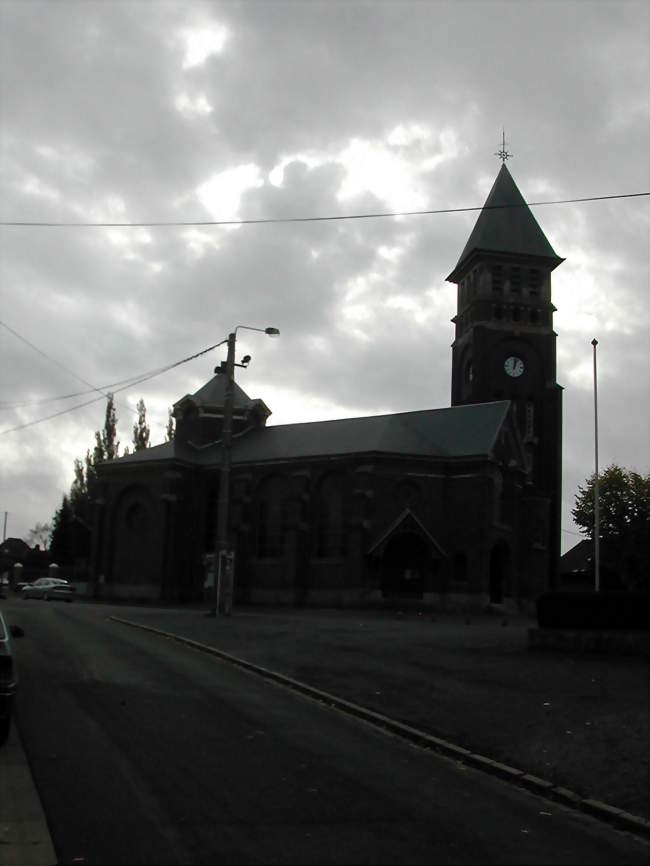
x=223, y=573
x=4, y=531
x=224, y=578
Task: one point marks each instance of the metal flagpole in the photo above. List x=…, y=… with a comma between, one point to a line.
x=594, y=343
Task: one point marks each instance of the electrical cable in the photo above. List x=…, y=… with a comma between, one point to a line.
x=130, y=383
x=110, y=387
x=360, y=216
x=59, y=364
x=48, y=357
x=206, y=223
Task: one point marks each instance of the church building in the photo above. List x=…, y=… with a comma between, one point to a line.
x=452, y=505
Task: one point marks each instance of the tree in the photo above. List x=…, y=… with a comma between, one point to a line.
x=91, y=471
x=624, y=519
x=39, y=534
x=72, y=522
x=141, y=429
x=170, y=430
x=79, y=487
x=79, y=500
x=61, y=539
x=107, y=444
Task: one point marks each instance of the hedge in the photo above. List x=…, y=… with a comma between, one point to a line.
x=603, y=610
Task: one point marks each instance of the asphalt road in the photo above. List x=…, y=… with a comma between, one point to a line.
x=147, y=752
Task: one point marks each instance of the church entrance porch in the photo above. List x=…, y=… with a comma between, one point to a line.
x=404, y=565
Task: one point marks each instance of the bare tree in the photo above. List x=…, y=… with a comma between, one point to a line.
x=39, y=535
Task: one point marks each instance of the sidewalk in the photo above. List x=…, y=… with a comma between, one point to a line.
x=581, y=722
x=24, y=835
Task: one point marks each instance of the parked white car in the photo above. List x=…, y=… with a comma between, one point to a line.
x=49, y=587
x=8, y=679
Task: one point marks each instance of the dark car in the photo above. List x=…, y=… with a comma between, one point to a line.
x=7, y=678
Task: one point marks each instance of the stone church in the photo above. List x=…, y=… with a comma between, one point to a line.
x=459, y=504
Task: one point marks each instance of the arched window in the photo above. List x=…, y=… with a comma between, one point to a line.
x=270, y=517
x=459, y=568
x=136, y=538
x=329, y=540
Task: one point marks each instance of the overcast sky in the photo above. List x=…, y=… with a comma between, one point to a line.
x=153, y=111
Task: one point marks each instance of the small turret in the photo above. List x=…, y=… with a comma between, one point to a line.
x=199, y=416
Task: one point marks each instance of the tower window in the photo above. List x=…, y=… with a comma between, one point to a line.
x=530, y=419
x=516, y=314
x=497, y=278
x=498, y=313
x=534, y=281
x=534, y=317
x=515, y=280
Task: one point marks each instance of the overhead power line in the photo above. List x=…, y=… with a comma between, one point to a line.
x=52, y=360
x=137, y=380
x=307, y=219
x=112, y=387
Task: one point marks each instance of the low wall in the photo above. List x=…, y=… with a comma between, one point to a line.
x=128, y=592
x=634, y=643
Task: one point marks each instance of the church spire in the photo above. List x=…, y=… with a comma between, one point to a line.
x=506, y=226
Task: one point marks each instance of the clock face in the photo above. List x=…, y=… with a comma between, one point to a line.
x=514, y=366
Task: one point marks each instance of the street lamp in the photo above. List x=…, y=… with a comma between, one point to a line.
x=225, y=565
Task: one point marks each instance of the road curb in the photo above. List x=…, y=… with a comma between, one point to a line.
x=635, y=824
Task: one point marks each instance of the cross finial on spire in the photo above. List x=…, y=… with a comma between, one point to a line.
x=503, y=153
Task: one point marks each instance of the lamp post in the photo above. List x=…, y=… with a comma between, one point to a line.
x=594, y=343
x=225, y=576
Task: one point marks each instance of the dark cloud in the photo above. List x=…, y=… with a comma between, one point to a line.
x=101, y=119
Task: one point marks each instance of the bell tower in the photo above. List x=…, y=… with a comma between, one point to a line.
x=504, y=346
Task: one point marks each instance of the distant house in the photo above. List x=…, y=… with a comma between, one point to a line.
x=462, y=501
x=577, y=566
x=21, y=562
x=14, y=549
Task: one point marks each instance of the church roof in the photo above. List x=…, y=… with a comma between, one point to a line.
x=506, y=225
x=455, y=432
x=213, y=394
